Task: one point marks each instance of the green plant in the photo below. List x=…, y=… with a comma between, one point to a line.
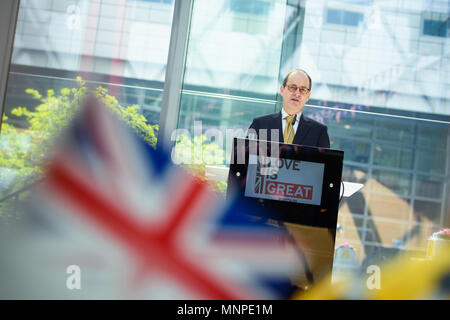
x=23, y=150
x=197, y=152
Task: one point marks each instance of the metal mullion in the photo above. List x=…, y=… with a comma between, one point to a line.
x=445, y=197
x=170, y=106
x=8, y=20
x=369, y=176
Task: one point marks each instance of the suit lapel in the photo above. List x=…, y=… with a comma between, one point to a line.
x=278, y=125
x=303, y=127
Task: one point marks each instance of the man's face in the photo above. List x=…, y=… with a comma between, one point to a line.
x=293, y=102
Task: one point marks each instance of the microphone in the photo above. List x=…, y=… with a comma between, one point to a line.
x=295, y=119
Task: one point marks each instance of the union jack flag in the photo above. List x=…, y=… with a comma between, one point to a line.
x=139, y=227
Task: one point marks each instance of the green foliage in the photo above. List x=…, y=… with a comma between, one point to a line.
x=23, y=150
x=130, y=115
x=195, y=153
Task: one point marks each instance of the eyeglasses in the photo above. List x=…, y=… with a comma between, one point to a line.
x=293, y=88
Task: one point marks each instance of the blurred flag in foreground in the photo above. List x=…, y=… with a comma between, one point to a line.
x=115, y=219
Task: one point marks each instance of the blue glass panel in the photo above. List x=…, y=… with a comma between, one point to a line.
x=334, y=16
x=435, y=28
x=352, y=18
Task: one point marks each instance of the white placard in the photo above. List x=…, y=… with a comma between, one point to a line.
x=284, y=180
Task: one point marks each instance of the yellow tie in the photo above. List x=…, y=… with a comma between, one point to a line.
x=289, y=130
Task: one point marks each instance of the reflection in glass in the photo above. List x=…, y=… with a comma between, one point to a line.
x=105, y=43
x=432, y=162
x=344, y=17
x=385, y=232
x=118, y=48
x=395, y=130
x=342, y=123
x=393, y=157
x=232, y=62
x=380, y=83
x=436, y=28
x=433, y=135
x=429, y=186
x=365, y=59
x=397, y=182
x=427, y=211
x=356, y=151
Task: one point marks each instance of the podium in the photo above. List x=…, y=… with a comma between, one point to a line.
x=298, y=188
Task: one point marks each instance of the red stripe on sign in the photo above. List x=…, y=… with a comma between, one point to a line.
x=288, y=190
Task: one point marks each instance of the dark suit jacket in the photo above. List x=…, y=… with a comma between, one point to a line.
x=309, y=132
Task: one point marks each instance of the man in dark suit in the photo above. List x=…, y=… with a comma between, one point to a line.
x=290, y=125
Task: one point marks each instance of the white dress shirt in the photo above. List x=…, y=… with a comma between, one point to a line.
x=284, y=114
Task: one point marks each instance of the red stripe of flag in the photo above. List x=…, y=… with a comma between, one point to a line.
x=153, y=247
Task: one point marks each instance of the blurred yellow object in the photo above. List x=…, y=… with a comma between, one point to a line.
x=401, y=279
x=436, y=246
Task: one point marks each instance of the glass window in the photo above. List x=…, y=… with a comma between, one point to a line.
x=213, y=111
x=392, y=182
x=238, y=56
x=250, y=7
x=248, y=16
x=354, y=173
x=352, y=18
x=350, y=227
x=334, y=16
x=230, y=77
x=429, y=186
x=427, y=211
x=395, y=130
x=355, y=204
x=393, y=157
x=121, y=46
x=435, y=28
x=344, y=17
x=433, y=135
x=431, y=162
x=387, y=206
x=161, y=1
x=386, y=232
x=343, y=123
x=356, y=151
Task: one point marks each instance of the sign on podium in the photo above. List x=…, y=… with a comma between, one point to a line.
x=297, y=188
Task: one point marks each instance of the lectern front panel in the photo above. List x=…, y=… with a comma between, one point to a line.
x=298, y=188
x=297, y=184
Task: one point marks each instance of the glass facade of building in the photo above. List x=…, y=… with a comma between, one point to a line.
x=380, y=81
x=120, y=45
